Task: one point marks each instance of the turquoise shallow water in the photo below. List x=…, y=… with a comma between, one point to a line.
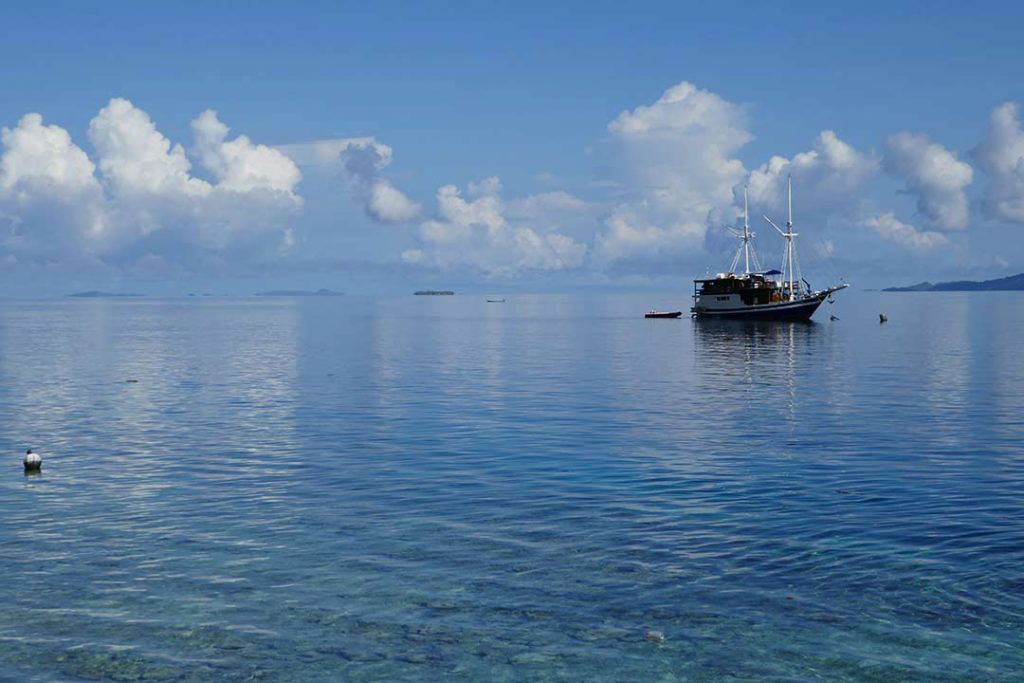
x=441, y=488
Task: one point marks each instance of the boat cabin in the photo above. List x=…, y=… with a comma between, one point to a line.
x=753, y=289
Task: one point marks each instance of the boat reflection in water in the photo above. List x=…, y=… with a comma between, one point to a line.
x=769, y=366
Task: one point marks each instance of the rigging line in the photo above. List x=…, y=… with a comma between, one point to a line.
x=735, y=262
x=755, y=261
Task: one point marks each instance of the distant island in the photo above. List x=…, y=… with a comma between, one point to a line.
x=95, y=294
x=434, y=292
x=299, y=292
x=1013, y=283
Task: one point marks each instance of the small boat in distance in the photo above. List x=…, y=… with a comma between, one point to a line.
x=663, y=314
x=764, y=295
x=495, y=301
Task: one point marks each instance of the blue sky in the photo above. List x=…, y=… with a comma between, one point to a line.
x=529, y=94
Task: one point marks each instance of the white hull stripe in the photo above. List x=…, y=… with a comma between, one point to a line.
x=766, y=308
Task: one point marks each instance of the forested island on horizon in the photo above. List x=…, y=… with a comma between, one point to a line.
x=1011, y=283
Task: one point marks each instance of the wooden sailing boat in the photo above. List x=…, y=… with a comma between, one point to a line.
x=767, y=295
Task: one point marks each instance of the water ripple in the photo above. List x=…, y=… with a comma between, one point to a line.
x=406, y=489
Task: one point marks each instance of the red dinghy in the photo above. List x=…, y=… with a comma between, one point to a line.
x=663, y=314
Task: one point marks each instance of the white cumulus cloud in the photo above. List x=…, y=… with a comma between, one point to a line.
x=482, y=188
x=390, y=205
x=136, y=158
x=239, y=165
x=149, y=214
x=674, y=161
x=480, y=234
x=50, y=199
x=829, y=182
x=826, y=178
x=934, y=175
x=1001, y=156
x=44, y=156
x=888, y=227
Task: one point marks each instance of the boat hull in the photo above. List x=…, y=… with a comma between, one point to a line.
x=801, y=310
x=665, y=314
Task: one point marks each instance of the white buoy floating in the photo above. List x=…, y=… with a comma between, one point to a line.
x=655, y=637
x=33, y=463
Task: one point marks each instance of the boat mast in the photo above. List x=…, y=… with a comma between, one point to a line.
x=787, y=262
x=746, y=235
x=745, y=249
x=789, y=236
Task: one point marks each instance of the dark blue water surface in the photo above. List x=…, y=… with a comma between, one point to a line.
x=439, y=488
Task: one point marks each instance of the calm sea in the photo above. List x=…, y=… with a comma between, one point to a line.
x=441, y=488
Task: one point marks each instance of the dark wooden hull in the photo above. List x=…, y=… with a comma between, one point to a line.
x=784, y=310
x=667, y=314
